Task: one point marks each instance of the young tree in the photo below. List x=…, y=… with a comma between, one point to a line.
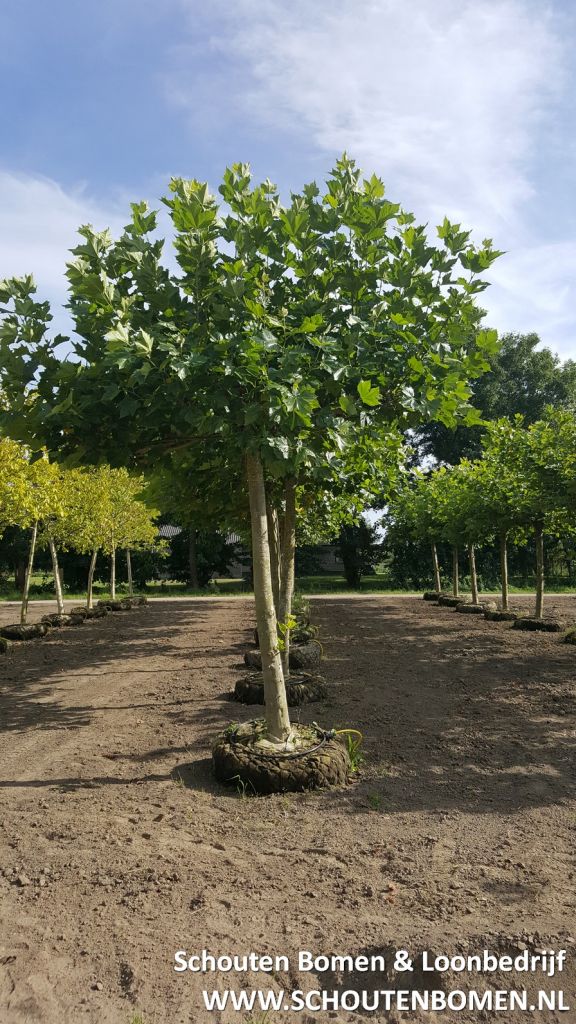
x=524, y=378
x=414, y=513
x=529, y=474
x=360, y=550
x=288, y=327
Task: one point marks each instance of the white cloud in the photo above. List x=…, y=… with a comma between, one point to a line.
x=449, y=100
x=442, y=98
x=39, y=223
x=534, y=289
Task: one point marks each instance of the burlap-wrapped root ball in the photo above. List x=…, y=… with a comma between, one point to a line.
x=498, y=615
x=447, y=601
x=29, y=631
x=324, y=762
x=303, y=657
x=467, y=608
x=57, y=621
x=529, y=624
x=90, y=613
x=302, y=688
x=114, y=606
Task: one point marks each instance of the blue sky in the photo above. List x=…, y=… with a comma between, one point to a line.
x=464, y=107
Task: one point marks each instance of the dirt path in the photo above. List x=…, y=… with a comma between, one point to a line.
x=117, y=848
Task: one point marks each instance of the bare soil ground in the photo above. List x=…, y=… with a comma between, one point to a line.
x=117, y=847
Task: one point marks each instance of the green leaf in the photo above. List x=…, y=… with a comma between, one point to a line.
x=368, y=394
x=348, y=405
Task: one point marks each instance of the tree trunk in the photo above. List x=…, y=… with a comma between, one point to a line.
x=539, y=572
x=28, y=575
x=455, y=573
x=504, y=569
x=287, y=560
x=473, y=576
x=57, y=580
x=436, y=567
x=90, y=588
x=193, y=559
x=113, y=575
x=19, y=576
x=276, y=706
x=129, y=570
x=275, y=557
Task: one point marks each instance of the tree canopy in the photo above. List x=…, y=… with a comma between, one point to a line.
x=523, y=379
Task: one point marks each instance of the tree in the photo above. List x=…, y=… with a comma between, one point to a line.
x=522, y=379
x=124, y=522
x=360, y=550
x=531, y=472
x=290, y=330
x=13, y=484
x=413, y=513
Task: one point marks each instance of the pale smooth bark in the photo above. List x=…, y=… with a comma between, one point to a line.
x=436, y=567
x=113, y=575
x=90, y=588
x=287, y=561
x=28, y=575
x=57, y=580
x=539, y=572
x=473, y=576
x=276, y=705
x=455, y=573
x=504, y=570
x=129, y=571
x=275, y=557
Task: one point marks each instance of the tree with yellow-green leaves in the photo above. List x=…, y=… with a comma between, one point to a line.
x=86, y=509
x=126, y=522
x=102, y=512
x=13, y=484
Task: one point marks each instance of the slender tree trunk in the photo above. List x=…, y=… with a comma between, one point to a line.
x=436, y=567
x=287, y=561
x=57, y=580
x=455, y=573
x=19, y=576
x=504, y=569
x=113, y=574
x=129, y=570
x=275, y=557
x=539, y=572
x=276, y=706
x=193, y=559
x=90, y=588
x=28, y=575
x=473, y=576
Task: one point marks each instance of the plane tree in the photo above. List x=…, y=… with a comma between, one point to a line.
x=287, y=326
x=413, y=514
x=530, y=474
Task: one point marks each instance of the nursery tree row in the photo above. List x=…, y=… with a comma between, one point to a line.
x=522, y=486
x=90, y=510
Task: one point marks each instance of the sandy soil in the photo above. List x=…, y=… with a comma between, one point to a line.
x=117, y=848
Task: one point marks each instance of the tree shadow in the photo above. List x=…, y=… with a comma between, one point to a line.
x=35, y=675
x=458, y=715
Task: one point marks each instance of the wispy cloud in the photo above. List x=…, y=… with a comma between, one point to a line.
x=534, y=290
x=39, y=223
x=450, y=101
